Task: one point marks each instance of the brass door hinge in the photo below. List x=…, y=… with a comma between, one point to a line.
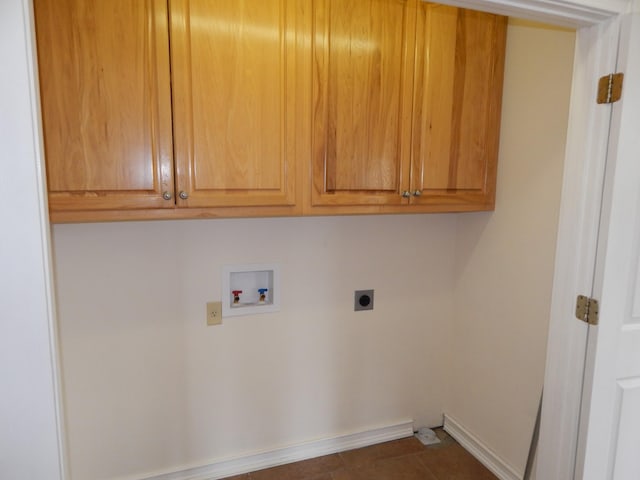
x=587, y=310
x=610, y=88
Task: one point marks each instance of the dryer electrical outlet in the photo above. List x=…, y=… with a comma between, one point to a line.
x=363, y=300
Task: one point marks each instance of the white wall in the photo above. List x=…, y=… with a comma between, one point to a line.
x=29, y=443
x=149, y=387
x=504, y=260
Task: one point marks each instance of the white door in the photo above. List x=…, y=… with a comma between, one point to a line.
x=609, y=443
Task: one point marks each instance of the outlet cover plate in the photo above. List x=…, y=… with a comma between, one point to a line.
x=363, y=300
x=214, y=313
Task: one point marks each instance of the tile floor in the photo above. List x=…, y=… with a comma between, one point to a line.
x=405, y=459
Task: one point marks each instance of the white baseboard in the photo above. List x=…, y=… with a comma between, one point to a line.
x=272, y=458
x=484, y=454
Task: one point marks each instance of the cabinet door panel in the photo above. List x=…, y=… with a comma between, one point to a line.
x=233, y=66
x=362, y=100
x=105, y=96
x=460, y=61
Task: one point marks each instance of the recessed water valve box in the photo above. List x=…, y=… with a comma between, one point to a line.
x=363, y=300
x=250, y=289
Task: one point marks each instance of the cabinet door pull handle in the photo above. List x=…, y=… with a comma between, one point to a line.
x=166, y=195
x=184, y=195
x=406, y=194
x=417, y=193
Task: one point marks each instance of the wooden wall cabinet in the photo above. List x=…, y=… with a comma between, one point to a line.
x=193, y=108
x=362, y=93
x=106, y=104
x=457, y=106
x=156, y=109
x=236, y=101
x=407, y=99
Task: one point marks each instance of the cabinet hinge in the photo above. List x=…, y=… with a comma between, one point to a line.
x=610, y=88
x=587, y=310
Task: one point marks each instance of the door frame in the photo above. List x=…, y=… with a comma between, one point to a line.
x=597, y=23
x=577, y=243
x=610, y=375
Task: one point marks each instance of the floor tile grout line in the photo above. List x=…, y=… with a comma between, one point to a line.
x=433, y=474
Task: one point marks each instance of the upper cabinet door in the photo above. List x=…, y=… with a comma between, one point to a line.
x=362, y=92
x=105, y=95
x=459, y=73
x=236, y=101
